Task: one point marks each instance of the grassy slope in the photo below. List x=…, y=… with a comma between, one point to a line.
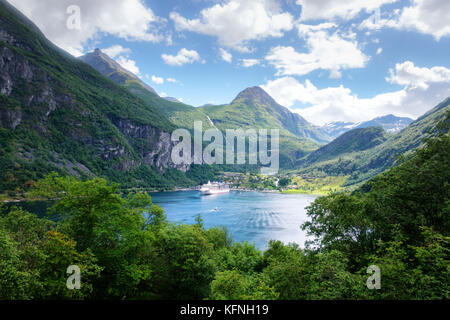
x=352, y=141
x=362, y=165
x=317, y=185
x=240, y=115
x=181, y=115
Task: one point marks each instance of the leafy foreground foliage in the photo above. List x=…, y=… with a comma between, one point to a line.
x=126, y=249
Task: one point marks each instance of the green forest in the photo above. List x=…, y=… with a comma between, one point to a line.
x=126, y=249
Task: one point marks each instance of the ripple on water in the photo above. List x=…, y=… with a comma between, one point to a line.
x=249, y=216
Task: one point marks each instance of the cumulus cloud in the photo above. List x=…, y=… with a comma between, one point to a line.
x=407, y=74
x=341, y=104
x=129, y=65
x=172, y=80
x=327, y=50
x=121, y=55
x=225, y=55
x=379, y=51
x=116, y=50
x=184, y=56
x=127, y=19
x=329, y=9
x=247, y=63
x=425, y=16
x=237, y=22
x=157, y=80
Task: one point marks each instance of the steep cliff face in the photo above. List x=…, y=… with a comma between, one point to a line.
x=154, y=146
x=59, y=114
x=35, y=97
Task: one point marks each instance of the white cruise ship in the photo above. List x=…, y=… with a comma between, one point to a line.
x=214, y=188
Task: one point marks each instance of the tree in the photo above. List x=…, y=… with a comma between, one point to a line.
x=36, y=258
x=233, y=285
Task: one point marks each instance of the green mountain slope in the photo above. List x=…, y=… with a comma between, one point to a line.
x=253, y=108
x=352, y=141
x=180, y=114
x=58, y=113
x=364, y=164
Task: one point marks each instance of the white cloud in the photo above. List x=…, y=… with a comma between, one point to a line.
x=237, y=22
x=340, y=104
x=172, y=80
x=407, y=74
x=329, y=9
x=326, y=50
x=116, y=50
x=163, y=95
x=225, y=55
x=129, y=65
x=247, y=63
x=305, y=29
x=127, y=19
x=184, y=56
x=425, y=16
x=157, y=80
x=379, y=51
x=121, y=55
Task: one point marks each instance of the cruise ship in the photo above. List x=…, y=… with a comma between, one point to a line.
x=214, y=188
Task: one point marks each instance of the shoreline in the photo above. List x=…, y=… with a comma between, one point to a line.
x=7, y=201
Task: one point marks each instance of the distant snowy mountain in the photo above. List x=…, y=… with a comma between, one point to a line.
x=390, y=123
x=336, y=128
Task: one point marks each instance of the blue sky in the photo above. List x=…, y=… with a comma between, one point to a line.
x=328, y=60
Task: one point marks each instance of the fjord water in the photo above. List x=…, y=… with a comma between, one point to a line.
x=249, y=216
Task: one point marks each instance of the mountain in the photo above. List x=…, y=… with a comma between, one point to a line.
x=111, y=69
x=181, y=115
x=171, y=99
x=390, y=123
x=341, y=157
x=255, y=108
x=58, y=114
x=336, y=128
x=355, y=140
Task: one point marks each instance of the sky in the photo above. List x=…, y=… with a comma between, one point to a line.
x=328, y=60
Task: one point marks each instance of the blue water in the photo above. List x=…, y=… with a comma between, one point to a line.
x=249, y=216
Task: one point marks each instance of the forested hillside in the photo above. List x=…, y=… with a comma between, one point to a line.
x=341, y=157
x=180, y=114
x=59, y=114
x=253, y=108
x=126, y=249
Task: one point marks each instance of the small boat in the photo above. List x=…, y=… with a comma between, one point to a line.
x=214, y=188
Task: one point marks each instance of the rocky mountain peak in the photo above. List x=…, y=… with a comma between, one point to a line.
x=255, y=95
x=111, y=69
